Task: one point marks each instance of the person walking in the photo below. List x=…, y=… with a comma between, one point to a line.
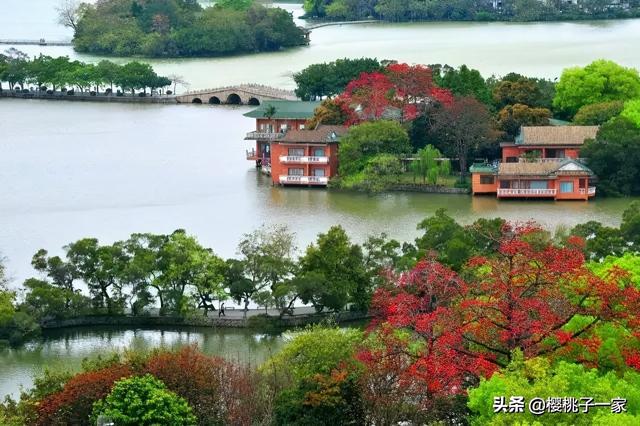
x=221, y=311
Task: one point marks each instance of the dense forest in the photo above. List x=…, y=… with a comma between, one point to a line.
x=157, y=28
x=469, y=10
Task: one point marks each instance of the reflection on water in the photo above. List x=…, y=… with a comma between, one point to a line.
x=65, y=349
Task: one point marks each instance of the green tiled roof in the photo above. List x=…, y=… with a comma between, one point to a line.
x=482, y=168
x=286, y=109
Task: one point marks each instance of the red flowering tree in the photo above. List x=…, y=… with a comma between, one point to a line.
x=400, y=87
x=530, y=296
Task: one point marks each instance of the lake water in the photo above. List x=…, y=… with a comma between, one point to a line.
x=65, y=349
x=72, y=170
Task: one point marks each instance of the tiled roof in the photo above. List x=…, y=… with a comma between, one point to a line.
x=556, y=135
x=543, y=168
x=320, y=135
x=285, y=109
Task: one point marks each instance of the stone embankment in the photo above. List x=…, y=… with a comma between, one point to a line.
x=87, y=97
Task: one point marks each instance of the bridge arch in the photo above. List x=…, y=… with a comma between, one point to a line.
x=196, y=101
x=214, y=100
x=253, y=101
x=234, y=99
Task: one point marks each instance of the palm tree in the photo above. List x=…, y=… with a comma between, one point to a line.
x=270, y=111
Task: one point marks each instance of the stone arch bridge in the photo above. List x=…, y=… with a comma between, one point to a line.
x=243, y=94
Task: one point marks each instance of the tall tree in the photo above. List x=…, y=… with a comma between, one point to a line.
x=465, y=125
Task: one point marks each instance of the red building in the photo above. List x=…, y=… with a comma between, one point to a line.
x=554, y=142
x=292, y=154
x=542, y=163
x=273, y=120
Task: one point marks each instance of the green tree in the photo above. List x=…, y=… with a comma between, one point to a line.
x=512, y=117
x=369, y=139
x=428, y=167
x=630, y=226
x=102, y=269
x=597, y=114
x=143, y=401
x=536, y=378
x=517, y=89
x=303, y=357
x=46, y=300
x=463, y=81
x=631, y=111
x=108, y=72
x=329, y=79
x=600, y=81
x=601, y=241
x=614, y=156
x=335, y=272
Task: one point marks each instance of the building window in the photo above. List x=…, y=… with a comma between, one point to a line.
x=296, y=152
x=283, y=127
x=301, y=127
x=505, y=184
x=566, y=187
x=296, y=172
x=583, y=183
x=487, y=179
x=318, y=172
x=512, y=159
x=318, y=152
x=538, y=184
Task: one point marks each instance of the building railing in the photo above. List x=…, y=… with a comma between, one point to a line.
x=304, y=180
x=303, y=159
x=549, y=160
x=264, y=135
x=514, y=191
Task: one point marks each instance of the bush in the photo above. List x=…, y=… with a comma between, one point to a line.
x=143, y=401
x=49, y=92
x=25, y=90
x=74, y=404
x=169, y=92
x=119, y=93
x=218, y=391
x=92, y=93
x=71, y=92
x=108, y=91
x=142, y=94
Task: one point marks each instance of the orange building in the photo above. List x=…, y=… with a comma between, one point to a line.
x=273, y=120
x=292, y=154
x=542, y=163
x=306, y=157
x=553, y=142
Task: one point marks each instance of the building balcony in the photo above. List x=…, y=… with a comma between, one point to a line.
x=591, y=191
x=512, y=192
x=303, y=159
x=303, y=180
x=269, y=136
x=550, y=160
x=252, y=155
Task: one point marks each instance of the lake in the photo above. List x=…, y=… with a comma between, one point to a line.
x=70, y=170
x=65, y=349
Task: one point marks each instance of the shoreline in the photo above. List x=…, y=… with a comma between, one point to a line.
x=258, y=322
x=85, y=97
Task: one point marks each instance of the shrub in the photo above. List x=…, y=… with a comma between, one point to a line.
x=219, y=392
x=49, y=92
x=143, y=401
x=74, y=403
x=92, y=93
x=108, y=91
x=25, y=90
x=169, y=92
x=71, y=92
x=142, y=95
